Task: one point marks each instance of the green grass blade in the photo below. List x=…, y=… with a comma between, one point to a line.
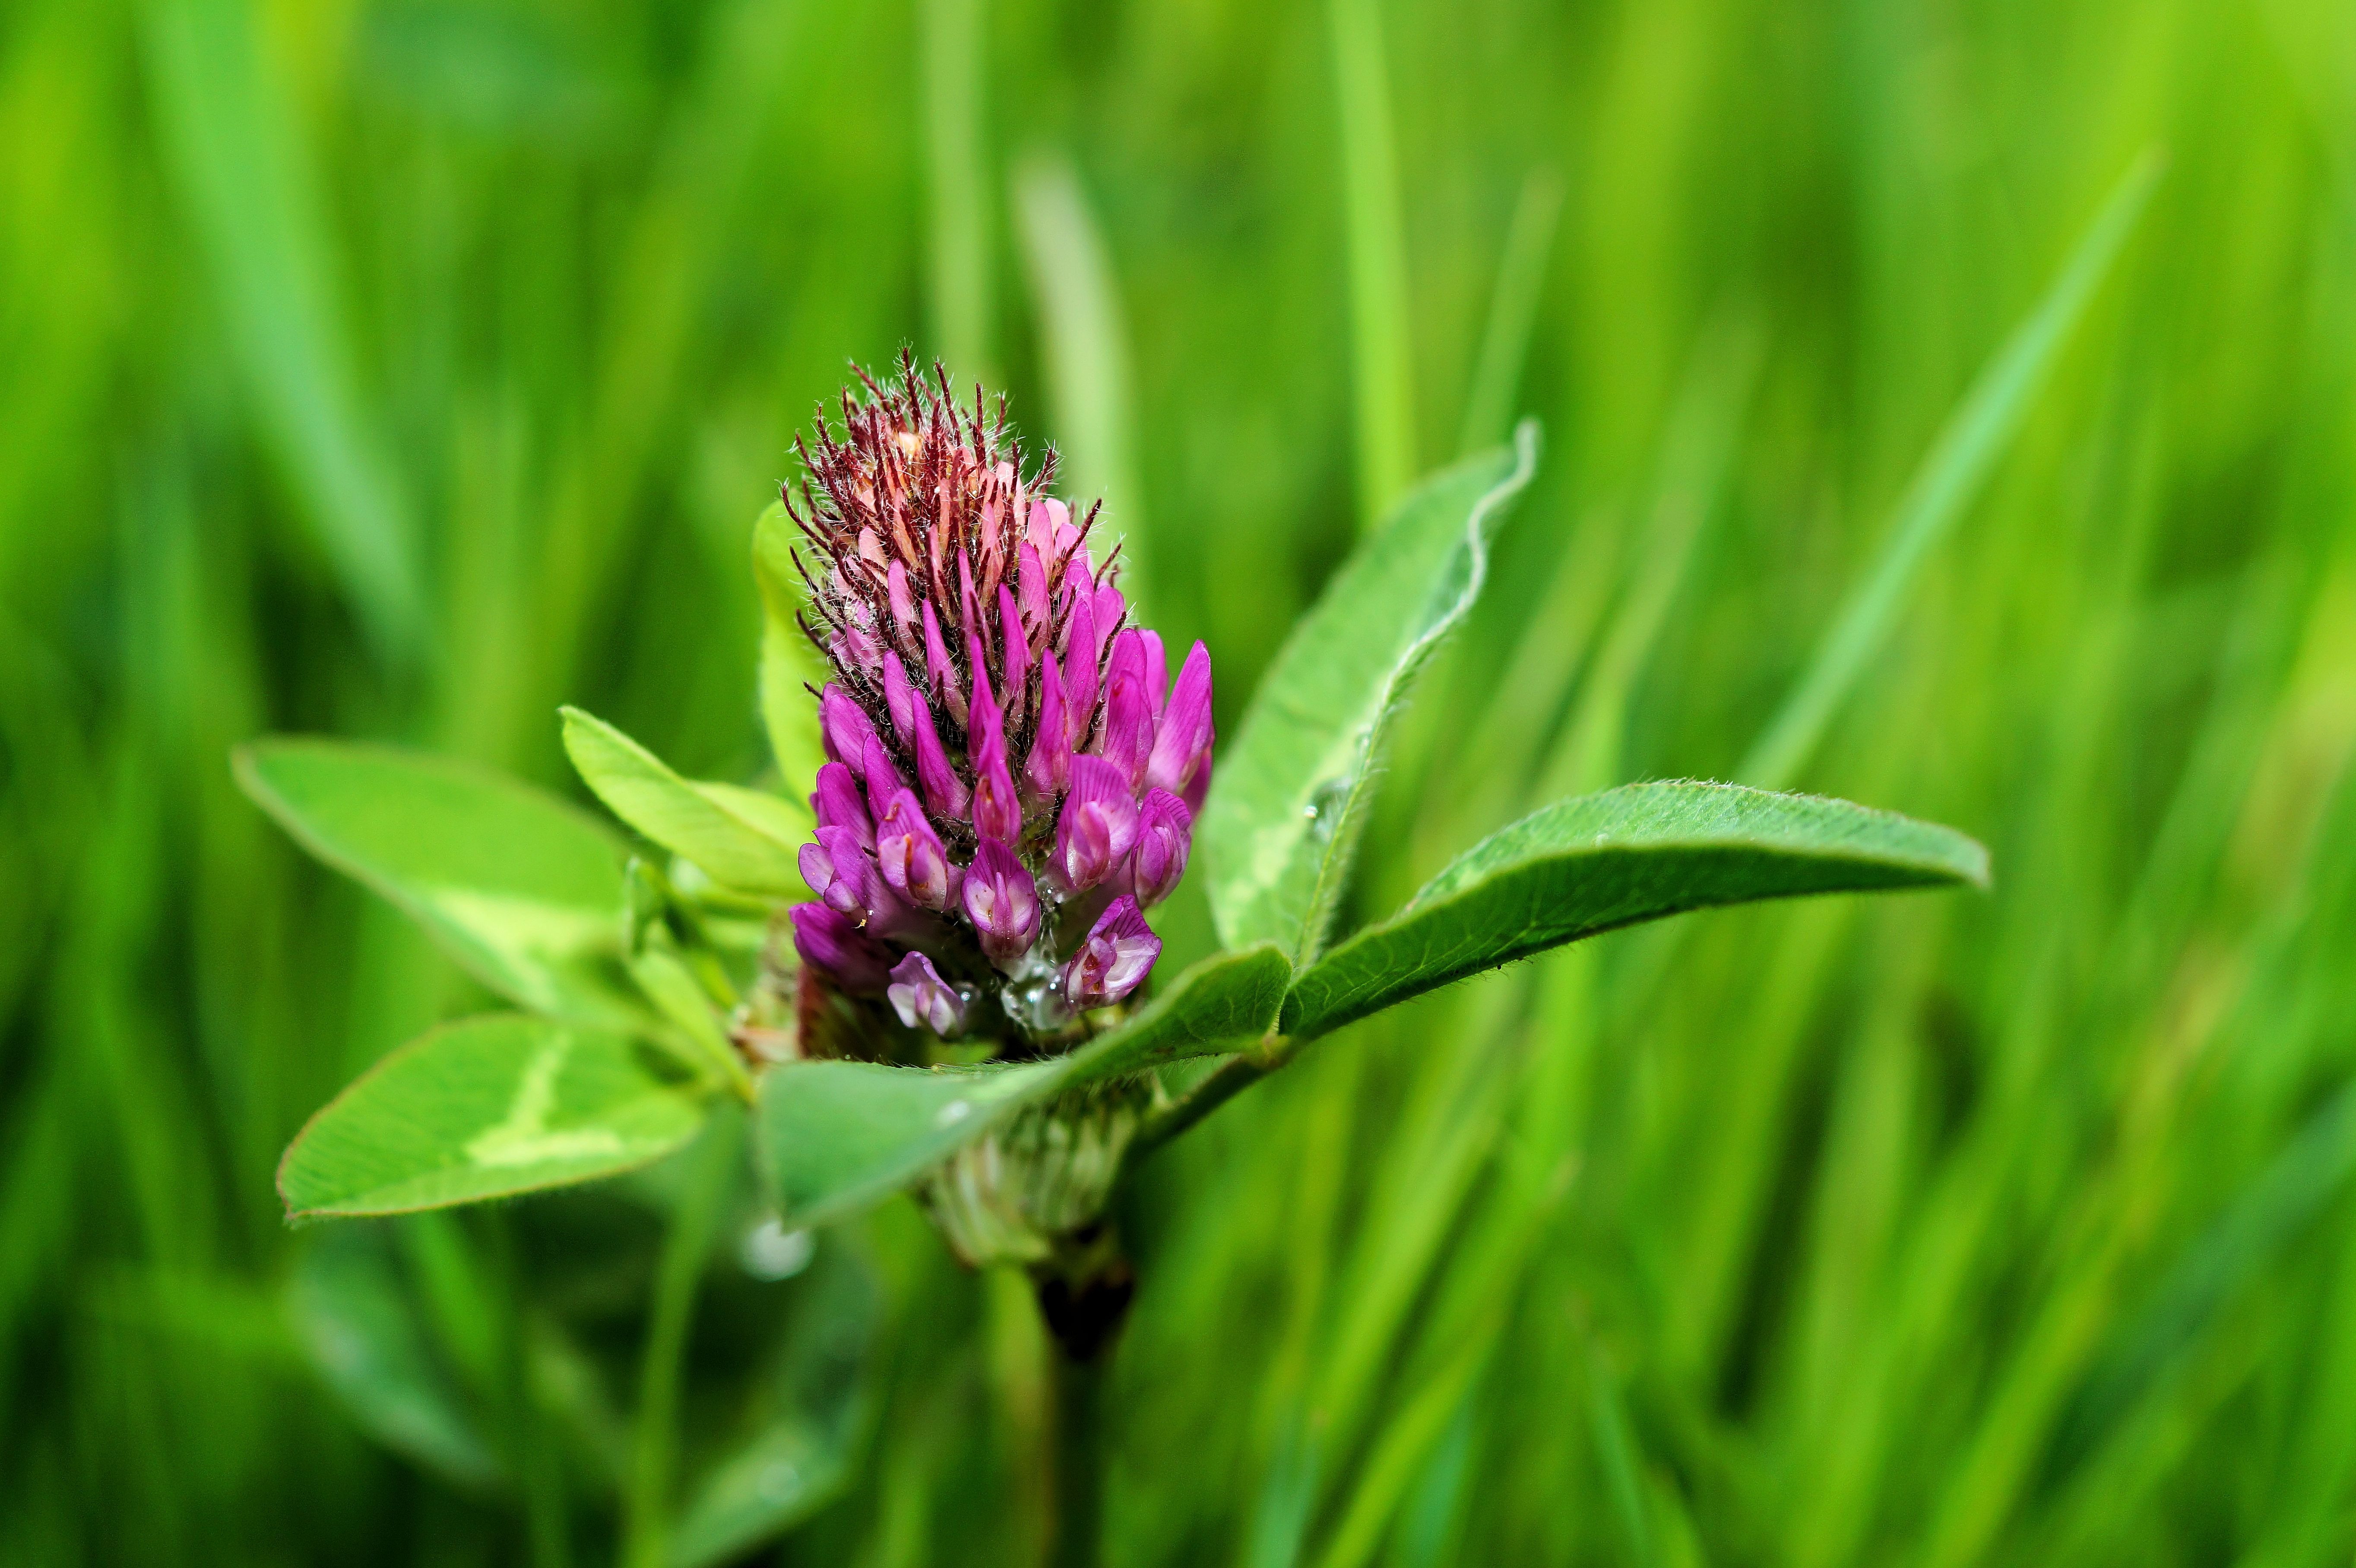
x=360, y=1325
x=1383, y=374
x=953, y=49
x=1975, y=436
x=1513, y=313
x=232, y=143
x=1085, y=340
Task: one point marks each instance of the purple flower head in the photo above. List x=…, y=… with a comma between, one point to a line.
x=1007, y=751
x=1002, y=902
x=1114, y=960
x=1098, y=826
x=827, y=941
x=922, y=998
x=1165, y=832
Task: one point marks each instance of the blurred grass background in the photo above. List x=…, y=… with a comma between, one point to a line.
x=400, y=369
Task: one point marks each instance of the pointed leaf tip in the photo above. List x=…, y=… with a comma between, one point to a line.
x=1601, y=861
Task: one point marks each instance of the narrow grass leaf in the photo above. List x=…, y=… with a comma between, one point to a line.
x=1381, y=340
x=485, y=1108
x=1513, y=312
x=811, y=1407
x=229, y=138
x=1967, y=447
x=363, y=1332
x=518, y=886
x=742, y=839
x=1603, y=861
x=836, y=1136
x=1292, y=791
x=1087, y=351
x=2308, y=1175
x=789, y=663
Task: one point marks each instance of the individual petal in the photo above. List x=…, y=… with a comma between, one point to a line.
x=881, y=775
x=1182, y=740
x=1117, y=956
x=945, y=792
x=904, y=603
x=1125, y=735
x=1049, y=768
x=1002, y=903
x=969, y=607
x=1165, y=831
x=1108, y=607
x=910, y=854
x=1049, y=518
x=997, y=812
x=977, y=659
x=1199, y=790
x=1082, y=657
x=1015, y=665
x=1097, y=825
x=827, y=941
x=1031, y=578
x=922, y=998
x=940, y=675
x=836, y=803
x=996, y=808
x=842, y=724
x=900, y=699
x=836, y=870
x=1157, y=667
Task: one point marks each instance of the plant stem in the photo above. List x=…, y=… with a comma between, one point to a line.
x=711, y=1178
x=1232, y=1076
x=1077, y=1538
x=1084, y=1289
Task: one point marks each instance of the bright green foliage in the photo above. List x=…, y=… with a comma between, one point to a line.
x=1603, y=861
x=1290, y=793
x=522, y=889
x=790, y=666
x=407, y=369
x=741, y=837
x=367, y=1337
x=486, y=1108
x=799, y=1440
x=839, y=1134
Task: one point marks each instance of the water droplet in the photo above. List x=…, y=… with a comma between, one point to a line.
x=1323, y=812
x=780, y=1481
x=769, y=1251
x=953, y=1113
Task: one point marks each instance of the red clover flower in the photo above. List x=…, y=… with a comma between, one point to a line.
x=1011, y=777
